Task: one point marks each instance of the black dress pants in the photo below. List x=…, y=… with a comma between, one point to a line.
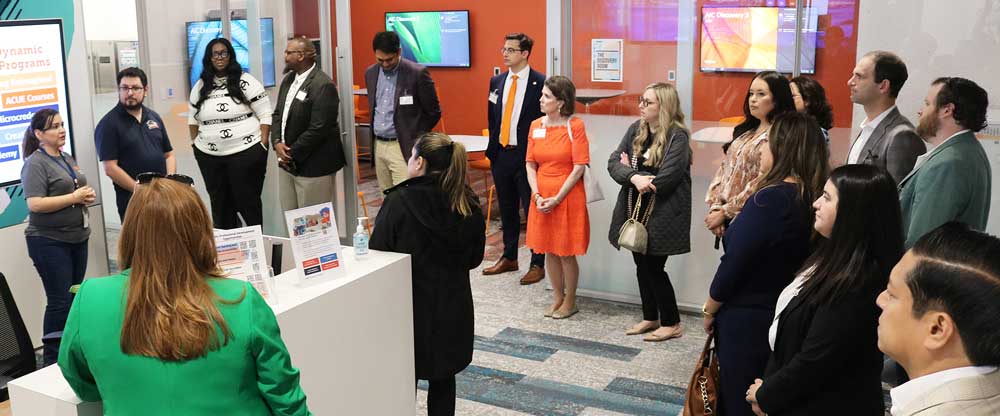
x=513, y=192
x=234, y=183
x=441, y=397
x=658, y=299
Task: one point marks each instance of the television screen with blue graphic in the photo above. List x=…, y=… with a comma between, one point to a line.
x=32, y=78
x=432, y=38
x=200, y=33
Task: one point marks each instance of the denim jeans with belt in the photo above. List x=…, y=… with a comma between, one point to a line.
x=60, y=265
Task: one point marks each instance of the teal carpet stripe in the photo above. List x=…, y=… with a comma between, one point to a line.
x=513, y=349
x=558, y=342
x=647, y=390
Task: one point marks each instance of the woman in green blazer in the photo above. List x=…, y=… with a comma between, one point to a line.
x=169, y=335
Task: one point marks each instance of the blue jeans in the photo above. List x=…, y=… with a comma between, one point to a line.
x=60, y=265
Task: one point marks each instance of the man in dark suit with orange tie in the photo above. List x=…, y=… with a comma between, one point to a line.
x=513, y=105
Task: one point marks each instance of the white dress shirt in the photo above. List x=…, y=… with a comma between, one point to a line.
x=867, y=128
x=913, y=389
x=292, y=91
x=522, y=85
x=786, y=296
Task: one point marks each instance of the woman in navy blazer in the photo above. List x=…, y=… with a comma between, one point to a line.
x=824, y=336
x=765, y=245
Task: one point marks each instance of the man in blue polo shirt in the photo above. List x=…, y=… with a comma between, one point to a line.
x=132, y=139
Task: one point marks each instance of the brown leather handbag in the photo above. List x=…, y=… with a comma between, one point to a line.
x=703, y=390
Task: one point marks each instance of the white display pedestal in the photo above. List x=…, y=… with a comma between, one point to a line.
x=351, y=338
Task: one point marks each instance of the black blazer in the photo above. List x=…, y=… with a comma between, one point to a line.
x=410, y=120
x=530, y=111
x=313, y=130
x=826, y=359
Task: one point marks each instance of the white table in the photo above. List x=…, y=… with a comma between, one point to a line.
x=472, y=143
x=351, y=337
x=588, y=96
x=721, y=134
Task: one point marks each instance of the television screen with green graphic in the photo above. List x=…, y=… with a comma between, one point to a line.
x=438, y=38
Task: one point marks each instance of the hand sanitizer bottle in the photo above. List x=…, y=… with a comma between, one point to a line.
x=361, y=238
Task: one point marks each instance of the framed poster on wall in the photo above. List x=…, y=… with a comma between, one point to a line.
x=606, y=60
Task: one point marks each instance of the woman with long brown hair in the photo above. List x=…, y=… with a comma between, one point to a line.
x=169, y=334
x=435, y=217
x=765, y=246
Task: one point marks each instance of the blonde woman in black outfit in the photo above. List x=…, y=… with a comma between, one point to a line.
x=653, y=165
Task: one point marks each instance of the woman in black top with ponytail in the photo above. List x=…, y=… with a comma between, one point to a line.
x=435, y=217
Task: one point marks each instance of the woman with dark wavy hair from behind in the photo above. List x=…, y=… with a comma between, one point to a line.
x=229, y=118
x=825, y=358
x=810, y=98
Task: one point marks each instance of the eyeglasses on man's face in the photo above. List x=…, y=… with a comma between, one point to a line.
x=290, y=52
x=508, y=51
x=127, y=89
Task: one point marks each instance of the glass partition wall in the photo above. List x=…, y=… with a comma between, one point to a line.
x=709, y=50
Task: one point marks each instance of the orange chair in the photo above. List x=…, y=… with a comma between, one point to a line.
x=481, y=163
x=360, y=116
x=364, y=208
x=733, y=119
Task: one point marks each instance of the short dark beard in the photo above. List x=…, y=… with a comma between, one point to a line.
x=928, y=129
x=132, y=107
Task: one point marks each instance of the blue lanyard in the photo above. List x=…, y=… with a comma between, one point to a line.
x=65, y=165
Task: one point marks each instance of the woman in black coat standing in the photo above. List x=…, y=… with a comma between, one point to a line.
x=435, y=217
x=653, y=166
x=825, y=358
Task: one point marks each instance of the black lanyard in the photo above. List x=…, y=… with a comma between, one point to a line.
x=65, y=165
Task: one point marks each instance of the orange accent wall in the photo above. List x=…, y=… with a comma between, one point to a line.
x=462, y=91
x=720, y=95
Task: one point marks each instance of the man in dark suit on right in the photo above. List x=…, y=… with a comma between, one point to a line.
x=305, y=132
x=403, y=103
x=513, y=105
x=887, y=138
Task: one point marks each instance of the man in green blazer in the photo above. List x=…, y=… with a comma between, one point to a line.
x=952, y=181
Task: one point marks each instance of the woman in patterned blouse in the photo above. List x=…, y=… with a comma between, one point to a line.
x=768, y=97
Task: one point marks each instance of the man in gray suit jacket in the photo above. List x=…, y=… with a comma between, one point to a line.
x=953, y=181
x=939, y=315
x=887, y=139
x=403, y=103
x=305, y=132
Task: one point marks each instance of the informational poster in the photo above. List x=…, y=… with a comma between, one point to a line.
x=606, y=60
x=32, y=78
x=241, y=256
x=315, y=242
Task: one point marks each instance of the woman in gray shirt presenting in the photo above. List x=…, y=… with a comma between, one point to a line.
x=58, y=229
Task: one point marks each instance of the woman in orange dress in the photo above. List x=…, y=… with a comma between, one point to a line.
x=558, y=152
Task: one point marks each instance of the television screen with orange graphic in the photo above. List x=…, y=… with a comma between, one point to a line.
x=752, y=39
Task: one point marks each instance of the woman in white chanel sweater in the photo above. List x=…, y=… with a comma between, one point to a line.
x=229, y=113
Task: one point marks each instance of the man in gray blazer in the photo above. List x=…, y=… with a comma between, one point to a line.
x=939, y=315
x=403, y=103
x=305, y=132
x=887, y=138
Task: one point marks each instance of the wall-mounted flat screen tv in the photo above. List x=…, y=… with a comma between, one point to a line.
x=438, y=38
x=200, y=33
x=753, y=39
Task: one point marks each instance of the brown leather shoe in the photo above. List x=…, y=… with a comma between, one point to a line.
x=534, y=275
x=503, y=265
